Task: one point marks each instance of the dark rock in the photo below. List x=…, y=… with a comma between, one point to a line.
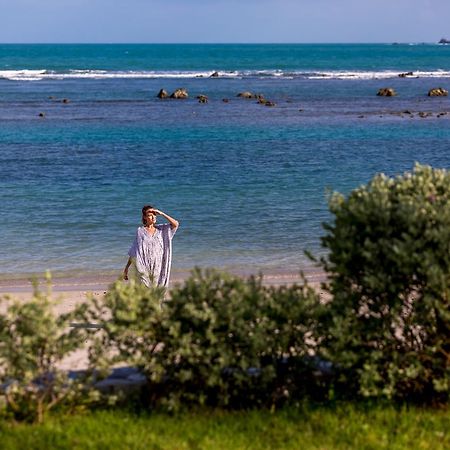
x=65, y=100
x=41, y=114
x=202, y=98
x=162, y=94
x=437, y=92
x=179, y=93
x=263, y=101
x=444, y=41
x=405, y=74
x=246, y=94
x=225, y=100
x=214, y=75
x=386, y=92
x=407, y=111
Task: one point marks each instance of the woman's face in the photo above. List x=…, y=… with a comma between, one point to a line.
x=150, y=217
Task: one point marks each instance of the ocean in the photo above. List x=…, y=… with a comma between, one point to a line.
x=85, y=143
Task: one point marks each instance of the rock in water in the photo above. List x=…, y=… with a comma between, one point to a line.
x=246, y=94
x=179, y=93
x=437, y=92
x=162, y=94
x=405, y=74
x=202, y=98
x=386, y=92
x=214, y=75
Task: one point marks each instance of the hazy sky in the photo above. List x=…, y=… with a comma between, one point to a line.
x=224, y=20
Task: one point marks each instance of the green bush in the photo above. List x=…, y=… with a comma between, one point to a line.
x=220, y=340
x=388, y=265
x=127, y=320
x=33, y=342
x=234, y=342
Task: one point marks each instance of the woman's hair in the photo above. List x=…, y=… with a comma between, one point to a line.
x=144, y=210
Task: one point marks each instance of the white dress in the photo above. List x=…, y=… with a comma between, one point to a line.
x=153, y=254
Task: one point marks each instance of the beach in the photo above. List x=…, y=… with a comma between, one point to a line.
x=70, y=291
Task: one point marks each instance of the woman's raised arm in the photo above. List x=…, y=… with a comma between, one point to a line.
x=173, y=223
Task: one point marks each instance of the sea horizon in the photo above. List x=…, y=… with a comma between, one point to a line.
x=230, y=43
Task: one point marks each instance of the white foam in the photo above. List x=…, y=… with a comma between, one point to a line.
x=348, y=75
x=22, y=75
x=36, y=75
x=379, y=75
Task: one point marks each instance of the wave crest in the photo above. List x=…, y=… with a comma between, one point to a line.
x=42, y=74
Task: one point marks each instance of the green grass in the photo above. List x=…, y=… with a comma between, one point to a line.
x=346, y=426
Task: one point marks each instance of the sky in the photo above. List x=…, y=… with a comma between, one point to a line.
x=223, y=21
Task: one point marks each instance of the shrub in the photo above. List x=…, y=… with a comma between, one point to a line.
x=33, y=341
x=127, y=318
x=389, y=276
x=234, y=342
x=220, y=340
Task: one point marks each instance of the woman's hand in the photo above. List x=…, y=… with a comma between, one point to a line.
x=125, y=271
x=173, y=223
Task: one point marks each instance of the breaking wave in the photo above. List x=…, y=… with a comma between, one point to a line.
x=36, y=75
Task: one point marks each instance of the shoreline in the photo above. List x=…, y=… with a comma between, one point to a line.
x=84, y=282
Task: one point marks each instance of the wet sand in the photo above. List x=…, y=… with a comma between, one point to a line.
x=79, y=284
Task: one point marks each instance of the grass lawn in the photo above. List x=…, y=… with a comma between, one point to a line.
x=345, y=426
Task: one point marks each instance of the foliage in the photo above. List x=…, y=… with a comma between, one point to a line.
x=235, y=342
x=127, y=319
x=219, y=340
x=343, y=426
x=389, y=276
x=33, y=342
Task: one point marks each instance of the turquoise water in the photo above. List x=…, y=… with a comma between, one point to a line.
x=291, y=58
x=247, y=182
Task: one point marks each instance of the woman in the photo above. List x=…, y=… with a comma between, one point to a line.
x=152, y=248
